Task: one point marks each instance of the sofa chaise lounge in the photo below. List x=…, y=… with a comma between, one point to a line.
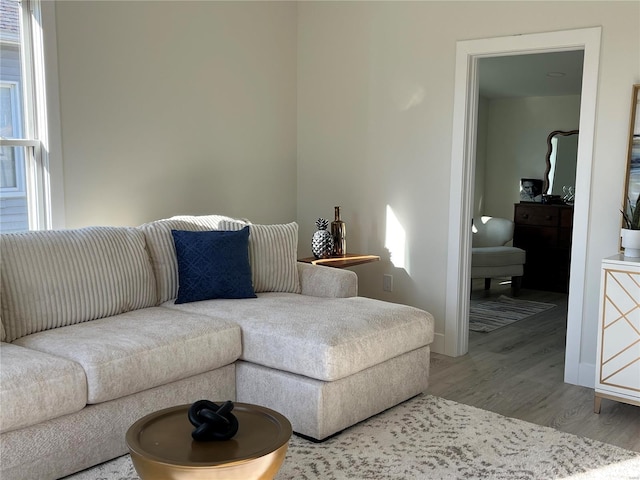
x=93, y=339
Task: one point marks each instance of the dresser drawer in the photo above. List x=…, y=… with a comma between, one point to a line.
x=537, y=215
x=533, y=237
x=566, y=217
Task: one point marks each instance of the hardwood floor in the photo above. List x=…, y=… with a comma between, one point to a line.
x=518, y=371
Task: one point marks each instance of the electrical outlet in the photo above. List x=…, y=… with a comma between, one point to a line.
x=387, y=282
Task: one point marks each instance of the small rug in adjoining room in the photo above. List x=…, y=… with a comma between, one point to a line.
x=430, y=437
x=490, y=315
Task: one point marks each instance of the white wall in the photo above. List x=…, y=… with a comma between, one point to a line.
x=375, y=101
x=190, y=107
x=177, y=107
x=517, y=130
x=479, y=202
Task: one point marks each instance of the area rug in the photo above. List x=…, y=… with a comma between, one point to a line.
x=429, y=437
x=490, y=315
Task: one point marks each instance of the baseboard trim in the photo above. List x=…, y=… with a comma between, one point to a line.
x=587, y=375
x=438, y=343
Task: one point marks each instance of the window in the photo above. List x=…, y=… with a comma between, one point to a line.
x=11, y=161
x=24, y=203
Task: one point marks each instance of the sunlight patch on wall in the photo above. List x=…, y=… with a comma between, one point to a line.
x=396, y=240
x=407, y=94
x=415, y=98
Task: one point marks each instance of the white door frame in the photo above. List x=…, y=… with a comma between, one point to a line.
x=465, y=109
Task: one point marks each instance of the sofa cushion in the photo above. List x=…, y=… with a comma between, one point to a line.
x=35, y=387
x=142, y=349
x=55, y=278
x=497, y=256
x=213, y=265
x=162, y=249
x=322, y=338
x=273, y=254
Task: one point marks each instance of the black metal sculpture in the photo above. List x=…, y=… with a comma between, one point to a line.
x=212, y=421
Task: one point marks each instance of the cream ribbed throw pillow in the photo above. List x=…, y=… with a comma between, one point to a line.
x=273, y=252
x=163, y=252
x=54, y=278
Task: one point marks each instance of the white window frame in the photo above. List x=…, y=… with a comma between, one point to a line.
x=19, y=190
x=41, y=113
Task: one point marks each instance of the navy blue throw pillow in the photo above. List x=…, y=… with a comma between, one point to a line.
x=213, y=265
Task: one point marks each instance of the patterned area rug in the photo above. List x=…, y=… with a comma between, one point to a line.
x=492, y=314
x=432, y=438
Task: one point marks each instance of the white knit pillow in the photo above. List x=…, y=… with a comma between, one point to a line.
x=273, y=251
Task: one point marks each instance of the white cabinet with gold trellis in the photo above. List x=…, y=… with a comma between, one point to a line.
x=618, y=361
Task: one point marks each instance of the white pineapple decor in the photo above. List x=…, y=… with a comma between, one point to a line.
x=322, y=241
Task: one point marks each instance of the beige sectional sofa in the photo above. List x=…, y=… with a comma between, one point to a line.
x=92, y=340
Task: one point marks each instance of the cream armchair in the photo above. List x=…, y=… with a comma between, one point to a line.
x=490, y=257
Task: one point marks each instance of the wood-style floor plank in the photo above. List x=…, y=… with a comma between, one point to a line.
x=518, y=371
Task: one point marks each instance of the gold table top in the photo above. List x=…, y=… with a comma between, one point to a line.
x=165, y=437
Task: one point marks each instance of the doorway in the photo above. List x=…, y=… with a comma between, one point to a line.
x=468, y=55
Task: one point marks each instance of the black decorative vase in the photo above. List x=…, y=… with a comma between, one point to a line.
x=339, y=234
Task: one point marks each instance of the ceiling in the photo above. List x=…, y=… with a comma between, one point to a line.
x=527, y=75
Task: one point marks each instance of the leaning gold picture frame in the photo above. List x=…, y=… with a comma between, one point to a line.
x=632, y=179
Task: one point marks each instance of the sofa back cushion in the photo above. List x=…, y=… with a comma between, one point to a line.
x=491, y=232
x=273, y=252
x=51, y=279
x=163, y=252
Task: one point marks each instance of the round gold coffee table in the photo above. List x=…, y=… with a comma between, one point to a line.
x=162, y=448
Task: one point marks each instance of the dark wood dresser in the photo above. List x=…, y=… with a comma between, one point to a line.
x=544, y=232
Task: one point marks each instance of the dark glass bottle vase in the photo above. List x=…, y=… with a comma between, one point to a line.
x=339, y=234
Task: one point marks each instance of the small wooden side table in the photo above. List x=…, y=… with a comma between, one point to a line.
x=161, y=446
x=349, y=260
